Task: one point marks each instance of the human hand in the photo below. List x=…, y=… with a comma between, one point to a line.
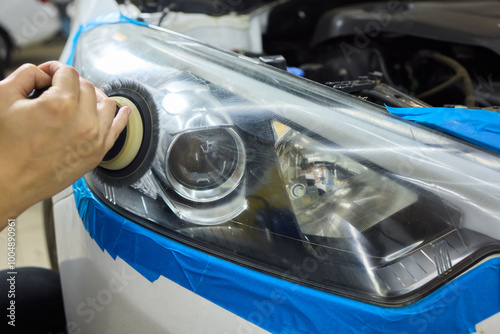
x=47, y=143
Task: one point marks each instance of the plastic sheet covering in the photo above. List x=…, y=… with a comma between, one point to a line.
x=480, y=127
x=280, y=306
x=98, y=21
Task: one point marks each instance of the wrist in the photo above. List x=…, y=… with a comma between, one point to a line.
x=6, y=215
x=12, y=201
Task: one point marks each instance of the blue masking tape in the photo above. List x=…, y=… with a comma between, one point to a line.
x=480, y=127
x=280, y=306
x=296, y=70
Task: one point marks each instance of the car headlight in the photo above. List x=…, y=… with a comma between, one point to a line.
x=290, y=177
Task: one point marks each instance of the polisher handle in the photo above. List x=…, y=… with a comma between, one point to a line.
x=37, y=92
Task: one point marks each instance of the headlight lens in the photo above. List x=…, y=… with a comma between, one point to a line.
x=205, y=165
x=292, y=178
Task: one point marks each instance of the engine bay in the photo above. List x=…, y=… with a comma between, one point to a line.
x=397, y=53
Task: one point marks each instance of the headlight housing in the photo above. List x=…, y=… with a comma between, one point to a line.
x=292, y=178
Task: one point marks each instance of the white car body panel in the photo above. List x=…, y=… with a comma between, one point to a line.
x=490, y=325
x=114, y=298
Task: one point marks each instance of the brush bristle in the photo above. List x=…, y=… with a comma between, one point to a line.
x=148, y=110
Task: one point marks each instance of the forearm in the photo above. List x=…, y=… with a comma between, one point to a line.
x=12, y=201
x=8, y=210
x=22, y=185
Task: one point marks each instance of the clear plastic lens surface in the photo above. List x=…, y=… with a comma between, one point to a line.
x=205, y=165
x=293, y=178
